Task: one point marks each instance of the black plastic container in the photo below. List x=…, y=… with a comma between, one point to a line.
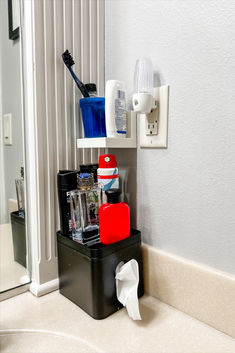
x=19, y=238
x=66, y=181
x=87, y=274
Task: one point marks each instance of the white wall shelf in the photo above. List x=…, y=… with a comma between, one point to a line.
x=107, y=142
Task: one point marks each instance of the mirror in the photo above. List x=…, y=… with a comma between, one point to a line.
x=13, y=241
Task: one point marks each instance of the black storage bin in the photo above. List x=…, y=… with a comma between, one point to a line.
x=87, y=274
x=19, y=238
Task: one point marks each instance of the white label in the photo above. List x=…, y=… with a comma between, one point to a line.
x=120, y=112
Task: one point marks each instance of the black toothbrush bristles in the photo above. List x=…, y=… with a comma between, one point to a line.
x=68, y=59
x=69, y=62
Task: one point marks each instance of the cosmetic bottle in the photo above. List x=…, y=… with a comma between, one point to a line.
x=114, y=218
x=107, y=175
x=84, y=209
x=90, y=168
x=115, y=109
x=107, y=172
x=66, y=181
x=20, y=193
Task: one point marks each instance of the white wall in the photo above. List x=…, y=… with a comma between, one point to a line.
x=11, y=102
x=186, y=193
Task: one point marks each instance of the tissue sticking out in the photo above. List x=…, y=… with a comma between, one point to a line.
x=127, y=280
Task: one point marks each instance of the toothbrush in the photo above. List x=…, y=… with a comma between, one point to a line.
x=69, y=62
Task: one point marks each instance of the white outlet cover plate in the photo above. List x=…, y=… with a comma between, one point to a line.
x=161, y=94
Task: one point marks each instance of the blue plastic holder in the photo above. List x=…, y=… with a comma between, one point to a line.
x=93, y=116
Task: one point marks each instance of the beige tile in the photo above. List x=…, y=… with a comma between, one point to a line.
x=201, y=292
x=162, y=330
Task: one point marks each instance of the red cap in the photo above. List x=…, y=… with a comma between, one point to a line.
x=107, y=161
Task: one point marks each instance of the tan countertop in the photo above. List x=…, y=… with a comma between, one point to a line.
x=54, y=324
x=12, y=274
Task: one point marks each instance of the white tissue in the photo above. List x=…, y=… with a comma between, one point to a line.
x=127, y=280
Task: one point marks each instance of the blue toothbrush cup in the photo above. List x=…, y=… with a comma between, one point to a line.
x=93, y=116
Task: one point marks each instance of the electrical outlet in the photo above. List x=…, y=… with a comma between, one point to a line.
x=154, y=126
x=151, y=123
